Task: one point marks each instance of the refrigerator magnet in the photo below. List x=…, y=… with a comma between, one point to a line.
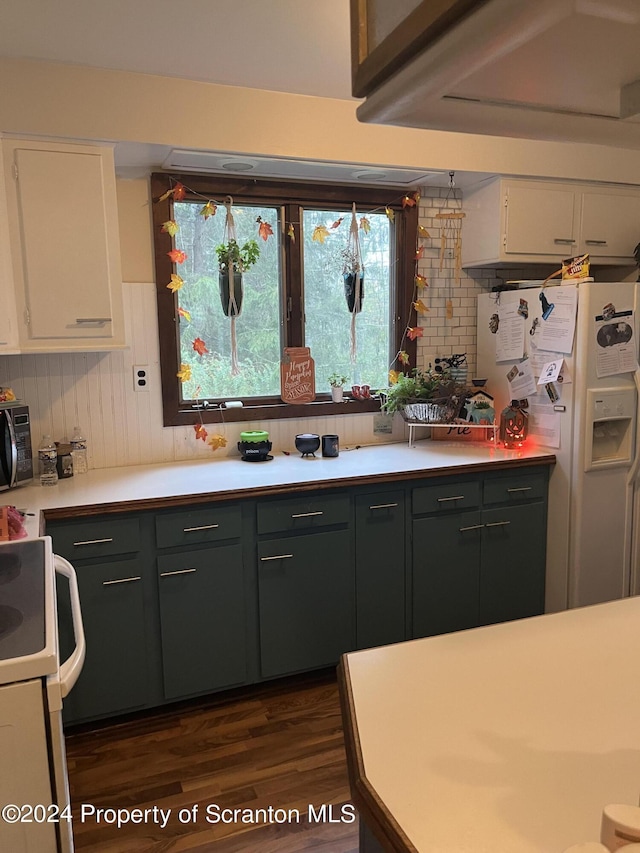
x=547, y=307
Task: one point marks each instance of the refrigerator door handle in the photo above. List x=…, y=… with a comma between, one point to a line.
x=71, y=668
x=634, y=469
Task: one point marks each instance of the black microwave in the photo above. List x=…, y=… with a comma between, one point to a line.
x=16, y=463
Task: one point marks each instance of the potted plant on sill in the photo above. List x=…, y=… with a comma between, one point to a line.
x=241, y=258
x=337, y=381
x=425, y=396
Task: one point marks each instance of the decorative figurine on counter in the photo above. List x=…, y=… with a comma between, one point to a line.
x=514, y=424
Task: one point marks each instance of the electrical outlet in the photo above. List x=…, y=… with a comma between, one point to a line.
x=140, y=377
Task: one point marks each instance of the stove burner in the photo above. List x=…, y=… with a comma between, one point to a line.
x=10, y=619
x=10, y=565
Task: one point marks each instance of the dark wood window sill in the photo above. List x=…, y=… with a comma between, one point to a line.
x=280, y=411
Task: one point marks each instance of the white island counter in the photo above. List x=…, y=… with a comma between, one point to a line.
x=506, y=739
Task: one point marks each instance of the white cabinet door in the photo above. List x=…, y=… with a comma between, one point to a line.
x=540, y=220
x=610, y=224
x=63, y=221
x=8, y=318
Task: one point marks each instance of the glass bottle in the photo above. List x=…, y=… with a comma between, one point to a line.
x=48, y=458
x=79, y=451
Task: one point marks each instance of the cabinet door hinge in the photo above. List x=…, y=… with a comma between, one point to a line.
x=27, y=317
x=15, y=171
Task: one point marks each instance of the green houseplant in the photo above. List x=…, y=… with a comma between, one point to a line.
x=352, y=269
x=243, y=258
x=337, y=381
x=425, y=396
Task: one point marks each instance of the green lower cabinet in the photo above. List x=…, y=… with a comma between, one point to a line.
x=512, y=570
x=446, y=573
x=305, y=601
x=114, y=676
x=380, y=569
x=202, y=620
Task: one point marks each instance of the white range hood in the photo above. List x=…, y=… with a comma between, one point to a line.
x=565, y=70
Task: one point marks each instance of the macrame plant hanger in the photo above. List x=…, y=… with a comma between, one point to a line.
x=354, y=252
x=451, y=240
x=229, y=234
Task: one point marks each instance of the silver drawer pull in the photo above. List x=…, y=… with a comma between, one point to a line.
x=497, y=523
x=121, y=580
x=521, y=489
x=277, y=557
x=80, y=320
x=596, y=242
x=471, y=527
x=382, y=506
x=307, y=514
x=202, y=527
x=454, y=498
x=568, y=240
x=178, y=572
x=93, y=541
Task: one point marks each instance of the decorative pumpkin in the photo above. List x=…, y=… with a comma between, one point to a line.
x=514, y=425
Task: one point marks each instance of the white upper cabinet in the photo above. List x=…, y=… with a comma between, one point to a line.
x=8, y=316
x=63, y=227
x=512, y=221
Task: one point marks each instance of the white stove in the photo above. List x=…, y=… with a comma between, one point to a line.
x=33, y=683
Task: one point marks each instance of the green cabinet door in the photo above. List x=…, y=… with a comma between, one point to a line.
x=380, y=568
x=114, y=676
x=446, y=573
x=512, y=571
x=305, y=601
x=202, y=620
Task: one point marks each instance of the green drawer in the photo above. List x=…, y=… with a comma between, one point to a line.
x=302, y=513
x=209, y=524
x=515, y=489
x=103, y=537
x=446, y=496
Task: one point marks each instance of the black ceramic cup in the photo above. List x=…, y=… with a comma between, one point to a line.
x=330, y=446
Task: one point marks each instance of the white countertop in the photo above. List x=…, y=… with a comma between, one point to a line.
x=233, y=477
x=506, y=739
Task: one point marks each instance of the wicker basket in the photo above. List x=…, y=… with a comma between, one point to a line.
x=436, y=411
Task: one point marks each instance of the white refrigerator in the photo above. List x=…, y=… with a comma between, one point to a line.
x=588, y=418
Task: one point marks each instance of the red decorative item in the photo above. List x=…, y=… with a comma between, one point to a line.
x=514, y=425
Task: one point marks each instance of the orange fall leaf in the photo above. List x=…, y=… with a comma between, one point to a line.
x=184, y=374
x=403, y=357
x=320, y=234
x=408, y=201
x=337, y=223
x=419, y=253
x=177, y=256
x=201, y=433
x=422, y=232
x=393, y=376
x=176, y=283
x=420, y=307
x=178, y=192
x=365, y=225
x=391, y=214
x=421, y=281
x=415, y=332
x=217, y=441
x=209, y=209
x=199, y=346
x=291, y=232
x=264, y=229
x=184, y=313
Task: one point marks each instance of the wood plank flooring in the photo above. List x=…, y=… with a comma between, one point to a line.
x=278, y=746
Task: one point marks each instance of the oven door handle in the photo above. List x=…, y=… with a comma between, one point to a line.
x=71, y=668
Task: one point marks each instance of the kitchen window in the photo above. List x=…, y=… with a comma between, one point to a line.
x=292, y=297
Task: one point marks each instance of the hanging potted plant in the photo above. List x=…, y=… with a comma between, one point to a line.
x=353, y=274
x=240, y=258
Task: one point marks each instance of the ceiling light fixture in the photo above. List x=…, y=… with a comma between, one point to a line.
x=370, y=175
x=238, y=166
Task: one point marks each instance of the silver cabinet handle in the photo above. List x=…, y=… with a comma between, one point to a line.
x=307, y=514
x=177, y=572
x=496, y=523
x=277, y=557
x=454, y=498
x=81, y=320
x=596, y=242
x=93, y=541
x=382, y=506
x=521, y=489
x=471, y=527
x=121, y=580
x=202, y=527
x=564, y=240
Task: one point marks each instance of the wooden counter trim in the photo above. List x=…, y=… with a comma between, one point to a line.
x=371, y=808
x=88, y=510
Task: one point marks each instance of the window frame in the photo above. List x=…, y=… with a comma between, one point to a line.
x=289, y=195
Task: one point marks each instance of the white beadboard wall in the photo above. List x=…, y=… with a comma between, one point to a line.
x=124, y=427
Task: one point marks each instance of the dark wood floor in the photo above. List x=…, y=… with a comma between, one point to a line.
x=279, y=746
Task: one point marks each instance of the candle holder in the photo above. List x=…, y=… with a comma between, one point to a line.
x=514, y=424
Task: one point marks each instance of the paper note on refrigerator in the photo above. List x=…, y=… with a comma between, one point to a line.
x=544, y=423
x=521, y=380
x=615, y=344
x=550, y=371
x=510, y=334
x=558, y=324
